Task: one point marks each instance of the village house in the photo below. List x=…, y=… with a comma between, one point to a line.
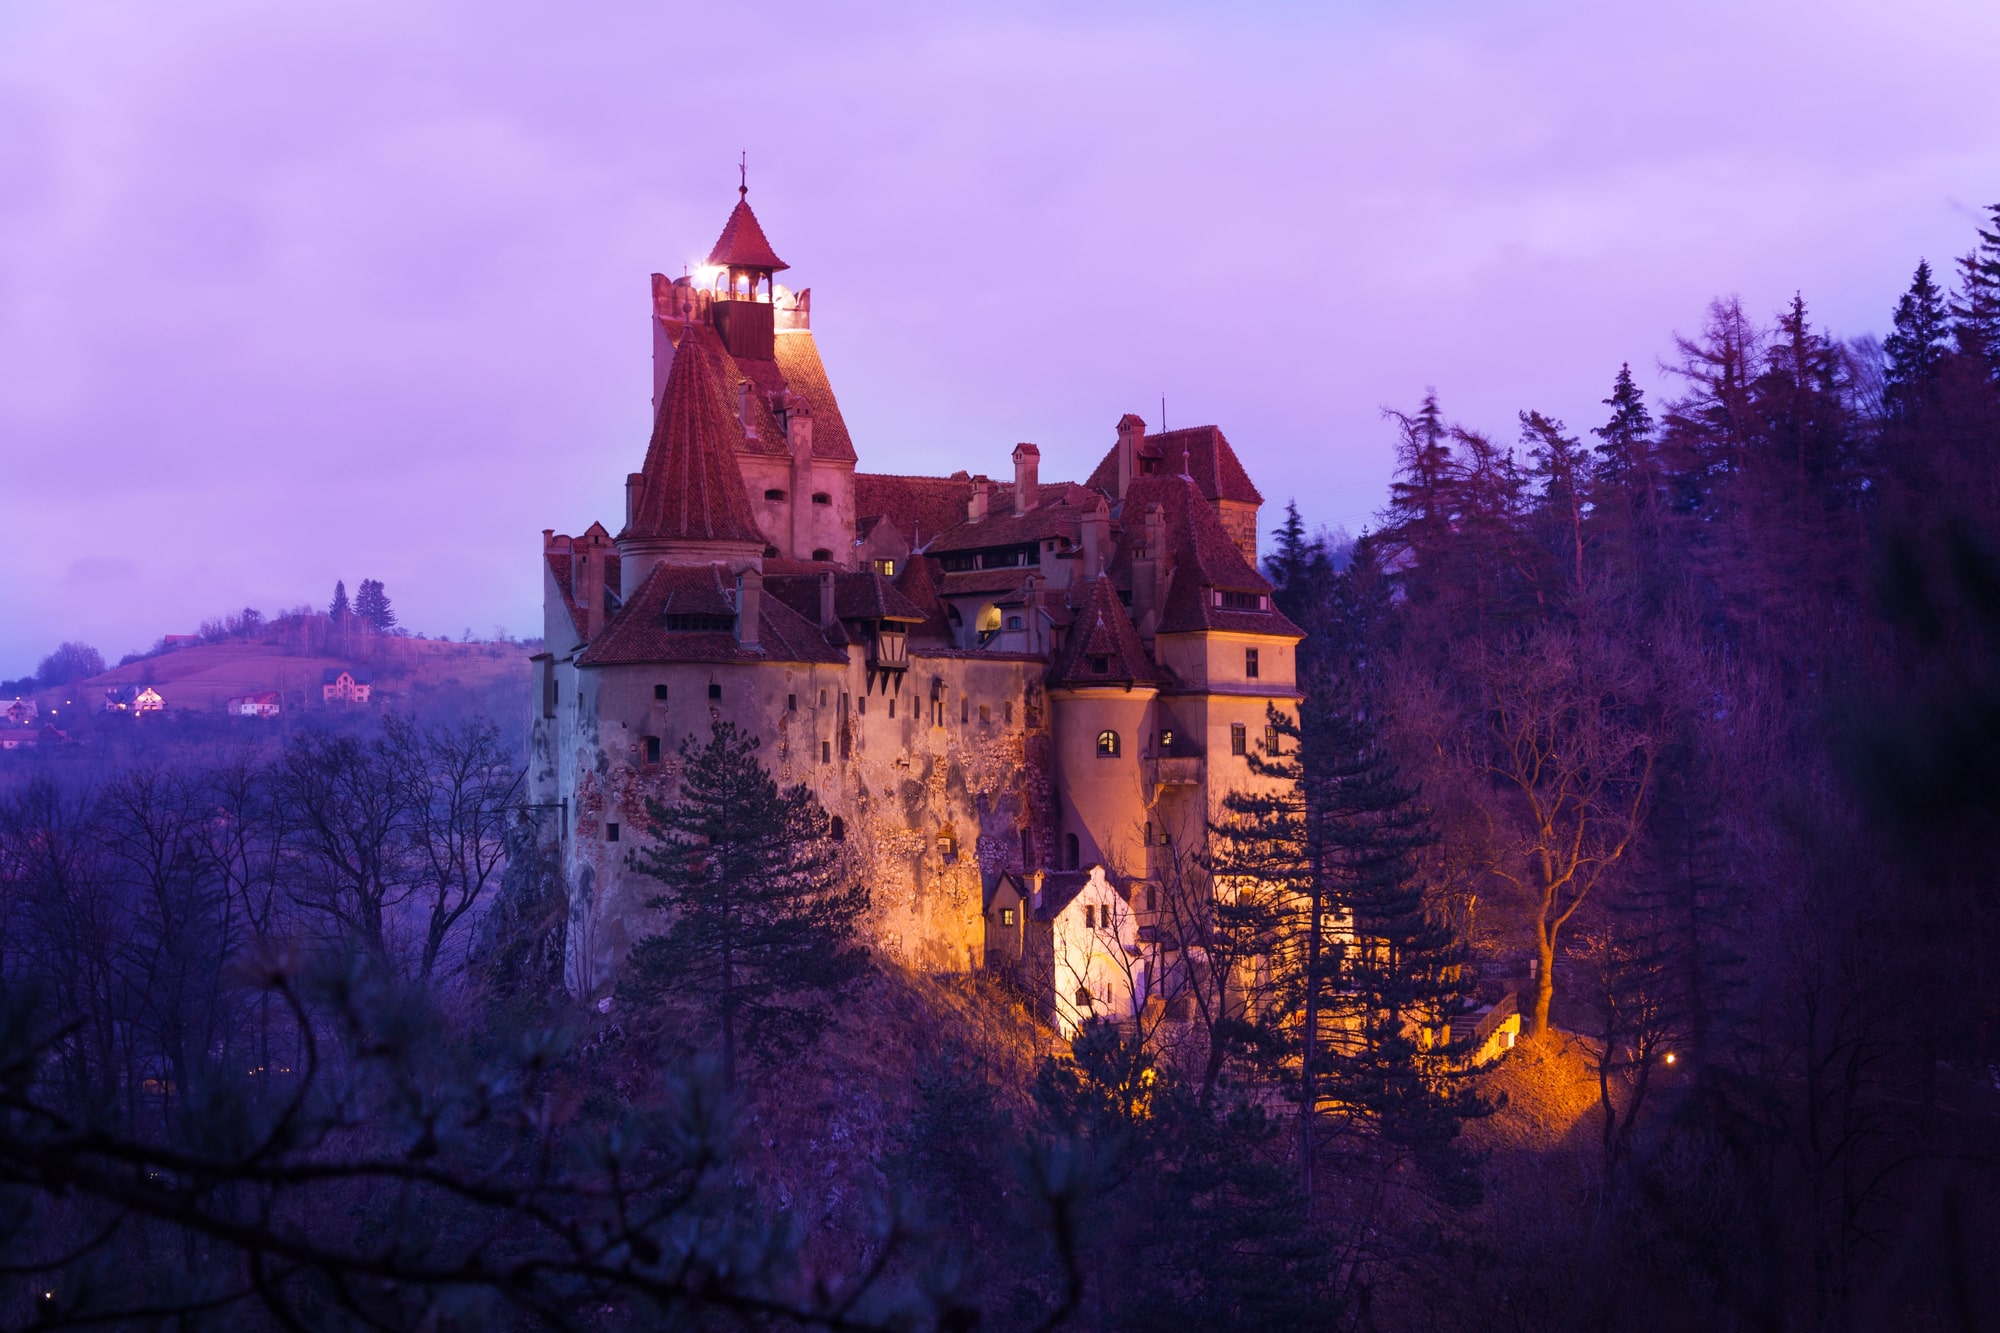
x=1022, y=700
x=134, y=699
x=343, y=685
x=18, y=712
x=264, y=703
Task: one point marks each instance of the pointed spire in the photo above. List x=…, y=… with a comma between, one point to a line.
x=742, y=243
x=1102, y=647
x=690, y=488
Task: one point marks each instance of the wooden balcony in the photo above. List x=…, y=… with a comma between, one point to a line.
x=1171, y=771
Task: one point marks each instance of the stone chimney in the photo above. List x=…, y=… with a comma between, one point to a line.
x=1131, y=434
x=749, y=606
x=1147, y=570
x=743, y=412
x=632, y=482
x=826, y=599
x=980, y=501
x=586, y=581
x=1096, y=539
x=799, y=433
x=1027, y=472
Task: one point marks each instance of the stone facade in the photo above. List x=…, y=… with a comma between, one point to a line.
x=1015, y=697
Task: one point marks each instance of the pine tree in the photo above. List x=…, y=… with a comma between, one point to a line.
x=1916, y=350
x=1561, y=463
x=340, y=609
x=762, y=910
x=1625, y=443
x=371, y=605
x=1421, y=497
x=1976, y=312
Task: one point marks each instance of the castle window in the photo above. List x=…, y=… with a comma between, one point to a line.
x=1072, y=852
x=611, y=833
x=700, y=624
x=1027, y=850
x=1007, y=712
x=1089, y=917
x=822, y=698
x=822, y=553
x=1083, y=997
x=1270, y=740
x=886, y=567
x=1250, y=664
x=1107, y=745
x=652, y=749
x=1100, y=666
x=1152, y=898
x=837, y=829
x=774, y=494
x=1166, y=740
x=947, y=843
x=964, y=710
x=1241, y=601
x=791, y=703
x=1006, y=916
x=892, y=705
x=822, y=498
x=985, y=715
x=770, y=553
x=714, y=690
x=1013, y=622
x=861, y=705
x=826, y=752
x=660, y=693
x=1239, y=739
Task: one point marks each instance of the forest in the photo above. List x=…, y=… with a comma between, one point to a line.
x=1681, y=728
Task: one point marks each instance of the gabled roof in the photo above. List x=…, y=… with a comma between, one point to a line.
x=922, y=508
x=1200, y=453
x=559, y=569
x=1102, y=647
x=329, y=675
x=639, y=633
x=742, y=243
x=690, y=488
x=865, y=595
x=1203, y=555
x=919, y=585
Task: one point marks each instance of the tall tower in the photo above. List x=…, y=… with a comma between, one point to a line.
x=744, y=309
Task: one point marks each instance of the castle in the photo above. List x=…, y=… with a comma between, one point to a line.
x=1019, y=700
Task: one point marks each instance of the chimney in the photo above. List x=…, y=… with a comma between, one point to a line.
x=799, y=432
x=982, y=497
x=1131, y=434
x=749, y=605
x=1096, y=539
x=1034, y=890
x=632, y=483
x=826, y=599
x=743, y=410
x=1146, y=570
x=586, y=581
x=1027, y=471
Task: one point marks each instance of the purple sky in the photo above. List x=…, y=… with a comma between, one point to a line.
x=338, y=288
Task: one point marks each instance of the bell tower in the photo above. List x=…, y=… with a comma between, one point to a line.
x=746, y=300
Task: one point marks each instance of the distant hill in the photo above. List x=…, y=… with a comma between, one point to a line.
x=203, y=677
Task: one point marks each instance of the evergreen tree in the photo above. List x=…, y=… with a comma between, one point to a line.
x=371, y=605
x=1976, y=312
x=1303, y=570
x=1562, y=465
x=1799, y=397
x=1916, y=350
x=1625, y=443
x=1421, y=498
x=761, y=908
x=340, y=609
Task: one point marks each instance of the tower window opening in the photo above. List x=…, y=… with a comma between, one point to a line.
x=652, y=749
x=1072, y=852
x=1100, y=666
x=1152, y=898
x=821, y=553
x=861, y=705
x=964, y=710
x=714, y=691
x=1007, y=712
x=660, y=693
x=791, y=703
x=1006, y=916
x=826, y=752
x=774, y=494
x=1107, y=745
x=1089, y=917
x=822, y=498
x=1239, y=739
x=985, y=715
x=892, y=705
x=1027, y=850
x=611, y=833
x=836, y=829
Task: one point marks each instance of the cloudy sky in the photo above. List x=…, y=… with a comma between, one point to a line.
x=322, y=289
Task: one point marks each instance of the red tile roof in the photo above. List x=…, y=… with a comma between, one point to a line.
x=742, y=243
x=856, y=596
x=559, y=568
x=639, y=633
x=1102, y=647
x=966, y=582
x=1003, y=527
x=919, y=584
x=922, y=508
x=1201, y=453
x=691, y=488
x=1203, y=556
x=805, y=375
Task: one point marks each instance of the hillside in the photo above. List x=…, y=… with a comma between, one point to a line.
x=203, y=677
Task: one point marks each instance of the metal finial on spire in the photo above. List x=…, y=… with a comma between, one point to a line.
x=743, y=169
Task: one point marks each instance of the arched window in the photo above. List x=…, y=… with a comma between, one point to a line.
x=822, y=498
x=1072, y=852
x=822, y=554
x=774, y=494
x=837, y=829
x=989, y=618
x=1107, y=745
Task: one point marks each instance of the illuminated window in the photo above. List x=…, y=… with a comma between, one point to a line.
x=1270, y=740
x=887, y=567
x=1250, y=663
x=1166, y=739
x=1107, y=745
x=947, y=843
x=1006, y=916
x=1239, y=740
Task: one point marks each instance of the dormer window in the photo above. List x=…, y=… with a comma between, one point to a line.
x=1242, y=601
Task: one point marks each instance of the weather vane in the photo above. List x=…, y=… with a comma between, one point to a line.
x=743, y=169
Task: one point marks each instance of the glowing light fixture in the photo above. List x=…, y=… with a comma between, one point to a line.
x=1670, y=1057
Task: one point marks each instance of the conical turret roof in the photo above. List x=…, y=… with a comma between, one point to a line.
x=690, y=488
x=742, y=243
